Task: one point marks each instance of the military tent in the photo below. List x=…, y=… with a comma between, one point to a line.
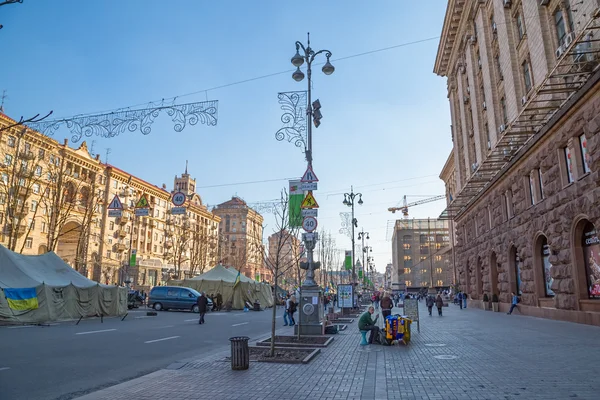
x=222, y=280
x=37, y=289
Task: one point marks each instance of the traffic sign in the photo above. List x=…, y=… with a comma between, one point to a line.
x=314, y=212
x=115, y=213
x=115, y=204
x=142, y=202
x=309, y=201
x=178, y=210
x=308, y=186
x=309, y=176
x=178, y=199
x=142, y=212
x=309, y=224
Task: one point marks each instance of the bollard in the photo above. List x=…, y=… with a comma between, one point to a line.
x=240, y=353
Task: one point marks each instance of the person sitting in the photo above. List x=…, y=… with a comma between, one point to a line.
x=366, y=323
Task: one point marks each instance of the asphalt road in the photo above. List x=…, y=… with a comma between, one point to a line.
x=64, y=360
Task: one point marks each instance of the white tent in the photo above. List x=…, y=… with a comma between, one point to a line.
x=60, y=291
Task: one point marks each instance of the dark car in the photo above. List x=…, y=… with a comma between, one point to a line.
x=174, y=298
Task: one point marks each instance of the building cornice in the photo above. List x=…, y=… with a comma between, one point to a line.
x=449, y=36
x=136, y=182
x=448, y=168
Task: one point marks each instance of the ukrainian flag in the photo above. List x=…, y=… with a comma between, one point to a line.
x=237, y=279
x=21, y=299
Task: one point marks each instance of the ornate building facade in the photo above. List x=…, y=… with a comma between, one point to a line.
x=523, y=86
x=241, y=233
x=284, y=249
x=61, y=206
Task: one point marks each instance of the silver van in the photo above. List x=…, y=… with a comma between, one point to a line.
x=174, y=298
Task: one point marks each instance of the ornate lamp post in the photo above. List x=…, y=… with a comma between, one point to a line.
x=349, y=201
x=362, y=235
x=312, y=111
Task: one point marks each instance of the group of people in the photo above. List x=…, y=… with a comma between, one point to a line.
x=437, y=301
x=217, y=301
x=290, y=308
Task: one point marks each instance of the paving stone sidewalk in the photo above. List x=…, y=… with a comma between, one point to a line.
x=466, y=354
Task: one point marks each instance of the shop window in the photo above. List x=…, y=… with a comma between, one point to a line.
x=591, y=258
x=585, y=157
x=546, y=267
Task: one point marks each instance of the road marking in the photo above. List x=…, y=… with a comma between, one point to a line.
x=188, y=320
x=160, y=340
x=4, y=368
x=87, y=333
x=166, y=326
x=243, y=323
x=143, y=316
x=21, y=326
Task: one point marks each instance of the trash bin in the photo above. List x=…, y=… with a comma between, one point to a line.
x=256, y=306
x=240, y=353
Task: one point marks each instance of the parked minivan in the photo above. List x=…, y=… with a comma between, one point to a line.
x=174, y=298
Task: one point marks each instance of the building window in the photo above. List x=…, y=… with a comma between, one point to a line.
x=28, y=243
x=518, y=274
x=520, y=25
x=41, y=154
x=34, y=205
x=546, y=267
x=591, y=258
x=499, y=67
x=440, y=283
x=36, y=188
x=531, y=190
x=11, y=141
x=5, y=178
x=486, y=128
x=503, y=110
x=527, y=76
x=407, y=258
x=407, y=270
x=585, y=157
x=108, y=254
x=43, y=227
x=568, y=164
x=559, y=23
x=8, y=160
x=111, y=226
x=540, y=183
x=38, y=171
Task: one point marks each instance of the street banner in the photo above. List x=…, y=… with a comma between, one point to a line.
x=348, y=259
x=296, y=197
x=132, y=258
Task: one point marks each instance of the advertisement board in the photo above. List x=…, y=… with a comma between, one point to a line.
x=345, y=296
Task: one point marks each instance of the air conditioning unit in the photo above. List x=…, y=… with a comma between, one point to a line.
x=484, y=106
x=473, y=39
x=474, y=166
x=479, y=63
x=523, y=100
x=544, y=2
x=494, y=27
x=489, y=144
x=507, y=3
x=501, y=128
x=569, y=39
x=559, y=52
x=465, y=99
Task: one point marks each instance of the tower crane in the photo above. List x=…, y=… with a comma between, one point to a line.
x=404, y=207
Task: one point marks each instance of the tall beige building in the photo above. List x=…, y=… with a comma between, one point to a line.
x=242, y=238
x=284, y=250
x=523, y=87
x=61, y=206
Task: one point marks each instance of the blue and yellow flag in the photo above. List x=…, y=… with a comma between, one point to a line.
x=237, y=279
x=22, y=299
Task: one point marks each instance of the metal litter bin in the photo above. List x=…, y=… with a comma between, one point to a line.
x=240, y=353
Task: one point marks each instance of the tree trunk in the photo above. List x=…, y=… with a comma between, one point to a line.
x=273, y=321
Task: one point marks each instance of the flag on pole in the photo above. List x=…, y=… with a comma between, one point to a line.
x=237, y=279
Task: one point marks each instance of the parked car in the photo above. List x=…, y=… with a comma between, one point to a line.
x=174, y=298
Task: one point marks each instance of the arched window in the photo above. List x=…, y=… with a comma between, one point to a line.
x=545, y=266
x=515, y=272
x=494, y=274
x=591, y=258
x=69, y=193
x=479, y=278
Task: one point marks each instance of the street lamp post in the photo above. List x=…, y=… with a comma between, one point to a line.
x=362, y=235
x=349, y=201
x=308, y=55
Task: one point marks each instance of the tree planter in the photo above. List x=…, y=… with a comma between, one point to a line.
x=292, y=341
x=283, y=355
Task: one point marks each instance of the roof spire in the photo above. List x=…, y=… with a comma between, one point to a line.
x=186, y=167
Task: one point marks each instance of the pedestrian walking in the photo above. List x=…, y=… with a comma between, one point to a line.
x=514, y=302
x=439, y=303
x=460, y=299
x=293, y=306
x=202, y=302
x=429, y=302
x=386, y=305
x=287, y=320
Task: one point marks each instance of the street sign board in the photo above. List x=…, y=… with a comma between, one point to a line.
x=309, y=224
x=115, y=204
x=308, y=186
x=309, y=176
x=142, y=212
x=309, y=236
x=178, y=199
x=309, y=201
x=142, y=202
x=310, y=212
x=178, y=211
x=115, y=213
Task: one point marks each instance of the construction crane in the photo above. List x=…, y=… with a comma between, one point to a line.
x=405, y=206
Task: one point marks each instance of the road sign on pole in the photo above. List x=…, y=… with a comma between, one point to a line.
x=309, y=224
x=178, y=199
x=308, y=186
x=115, y=204
x=309, y=201
x=309, y=176
x=310, y=212
x=142, y=202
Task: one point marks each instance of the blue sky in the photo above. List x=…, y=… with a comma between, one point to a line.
x=385, y=126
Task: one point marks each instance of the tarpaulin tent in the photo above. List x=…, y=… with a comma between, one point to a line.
x=222, y=280
x=36, y=289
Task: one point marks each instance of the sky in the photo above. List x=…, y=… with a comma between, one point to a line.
x=386, y=120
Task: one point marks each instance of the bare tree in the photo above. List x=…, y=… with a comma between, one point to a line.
x=327, y=254
x=178, y=236
x=203, y=249
x=20, y=185
x=281, y=253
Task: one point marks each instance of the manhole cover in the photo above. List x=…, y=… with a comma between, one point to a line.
x=445, y=357
x=435, y=344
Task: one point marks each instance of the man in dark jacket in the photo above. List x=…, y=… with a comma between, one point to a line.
x=386, y=305
x=366, y=323
x=202, y=302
